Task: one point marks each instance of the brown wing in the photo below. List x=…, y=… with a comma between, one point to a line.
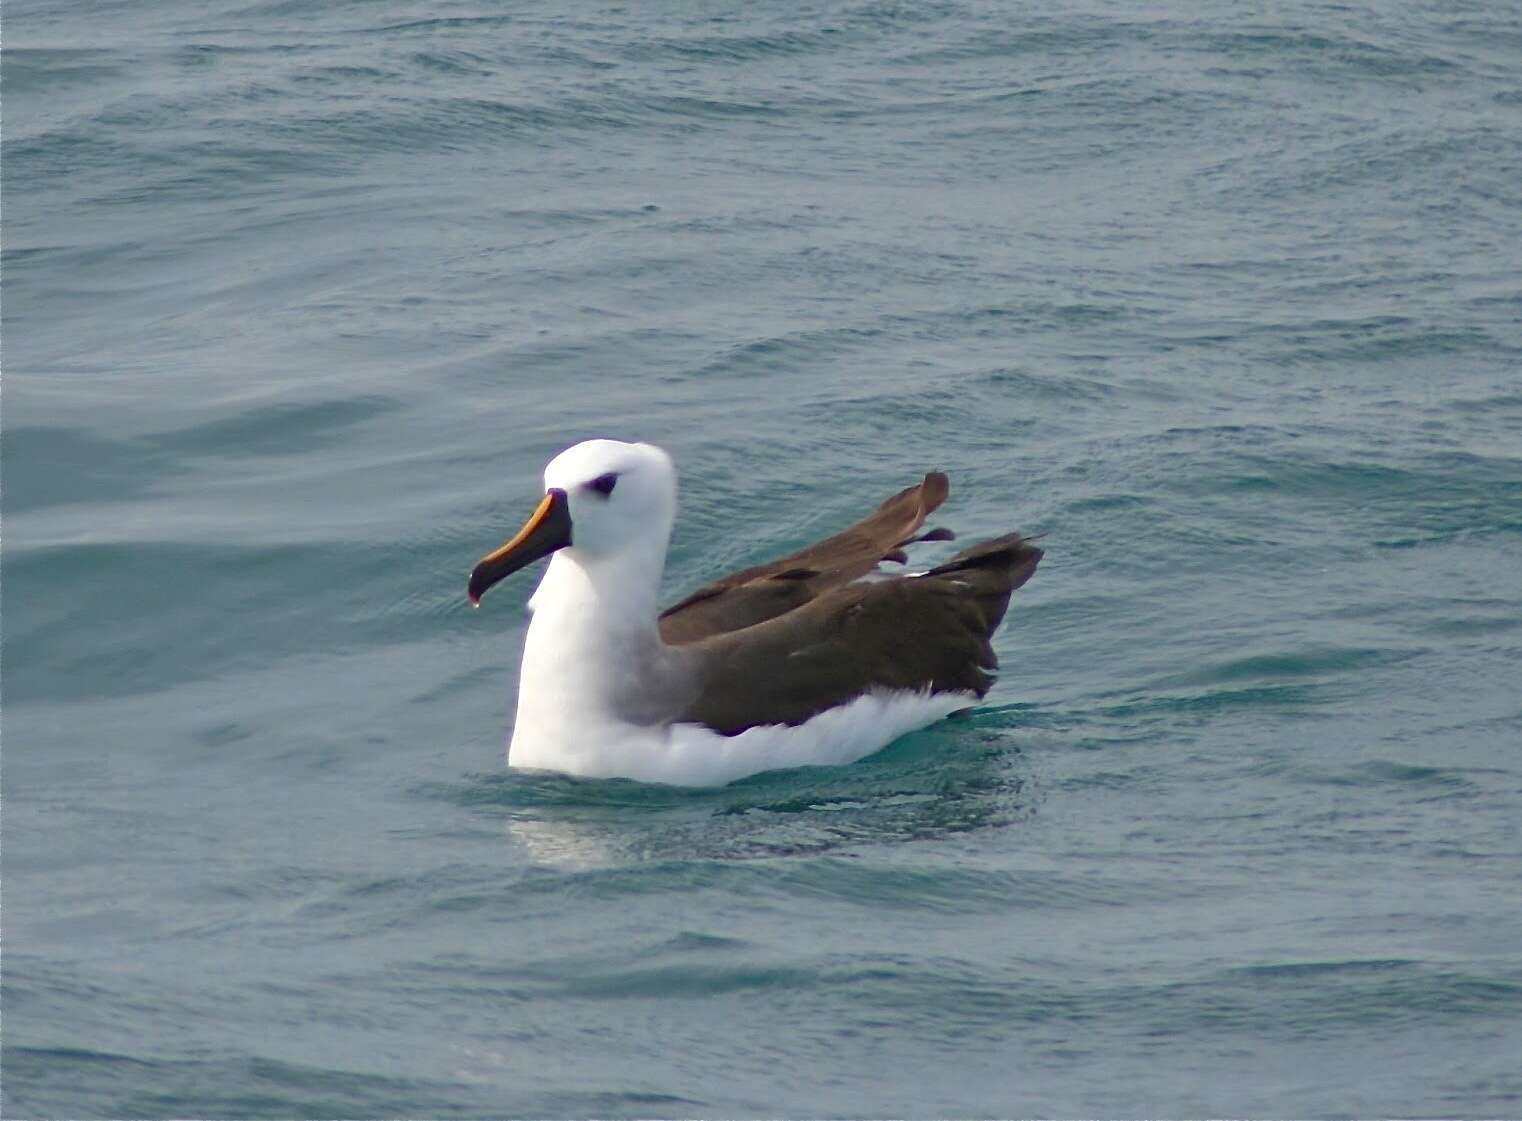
x=768, y=590
x=923, y=632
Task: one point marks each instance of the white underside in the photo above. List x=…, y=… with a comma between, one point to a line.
x=692, y=755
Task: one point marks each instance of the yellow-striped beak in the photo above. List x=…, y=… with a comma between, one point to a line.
x=548, y=529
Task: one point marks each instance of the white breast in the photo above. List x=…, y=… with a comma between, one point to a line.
x=692, y=755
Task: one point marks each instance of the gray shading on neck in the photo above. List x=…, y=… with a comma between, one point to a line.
x=654, y=683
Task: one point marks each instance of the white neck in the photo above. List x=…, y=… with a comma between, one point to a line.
x=604, y=595
x=593, y=656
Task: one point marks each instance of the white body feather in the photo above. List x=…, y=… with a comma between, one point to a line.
x=692, y=755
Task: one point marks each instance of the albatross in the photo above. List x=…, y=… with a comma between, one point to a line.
x=820, y=657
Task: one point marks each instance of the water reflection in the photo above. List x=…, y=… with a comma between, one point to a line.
x=941, y=782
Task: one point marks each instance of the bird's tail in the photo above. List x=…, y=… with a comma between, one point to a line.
x=994, y=569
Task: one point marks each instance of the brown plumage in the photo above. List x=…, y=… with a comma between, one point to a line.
x=784, y=641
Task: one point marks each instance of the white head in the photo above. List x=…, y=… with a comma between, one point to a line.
x=604, y=500
x=620, y=495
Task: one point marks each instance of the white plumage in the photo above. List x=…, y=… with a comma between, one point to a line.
x=692, y=755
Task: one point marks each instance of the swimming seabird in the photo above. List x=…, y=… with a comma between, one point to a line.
x=818, y=657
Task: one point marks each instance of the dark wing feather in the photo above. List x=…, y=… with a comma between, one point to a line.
x=925, y=632
x=754, y=595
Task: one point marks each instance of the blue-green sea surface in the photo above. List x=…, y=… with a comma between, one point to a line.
x=1225, y=300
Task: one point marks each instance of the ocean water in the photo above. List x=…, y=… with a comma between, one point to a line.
x=1226, y=300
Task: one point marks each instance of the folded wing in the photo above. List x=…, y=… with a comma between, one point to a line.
x=767, y=591
x=929, y=633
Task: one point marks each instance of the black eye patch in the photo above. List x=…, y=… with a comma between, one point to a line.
x=604, y=484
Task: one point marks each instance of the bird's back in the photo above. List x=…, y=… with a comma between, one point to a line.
x=928, y=633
